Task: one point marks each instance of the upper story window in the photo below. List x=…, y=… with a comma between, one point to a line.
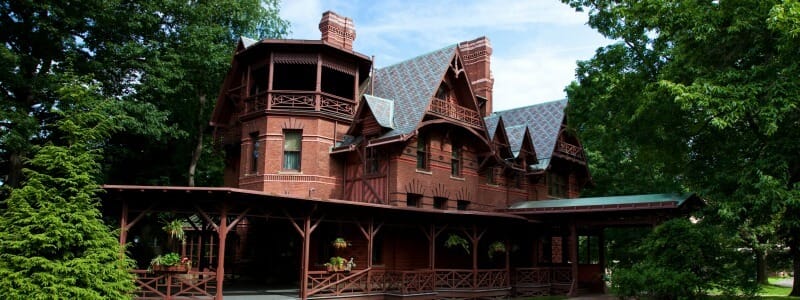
x=255, y=149
x=373, y=161
x=490, y=179
x=556, y=185
x=456, y=161
x=423, y=153
x=292, y=149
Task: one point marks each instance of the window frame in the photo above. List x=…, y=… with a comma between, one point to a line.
x=285, y=163
x=457, y=161
x=255, y=151
x=423, y=153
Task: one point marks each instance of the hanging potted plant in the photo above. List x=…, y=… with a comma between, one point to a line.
x=454, y=240
x=340, y=243
x=496, y=247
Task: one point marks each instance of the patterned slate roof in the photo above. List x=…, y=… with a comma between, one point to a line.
x=516, y=134
x=544, y=122
x=491, y=125
x=382, y=109
x=411, y=84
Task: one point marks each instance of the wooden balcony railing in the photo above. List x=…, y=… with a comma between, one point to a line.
x=300, y=100
x=167, y=285
x=456, y=112
x=466, y=279
x=569, y=150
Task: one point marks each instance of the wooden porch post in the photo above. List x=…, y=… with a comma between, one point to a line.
x=475, y=237
x=432, y=247
x=222, y=233
x=573, y=256
x=508, y=262
x=535, y=251
x=123, y=225
x=304, y=262
x=601, y=244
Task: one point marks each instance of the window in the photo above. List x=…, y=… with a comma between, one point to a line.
x=490, y=176
x=373, y=161
x=462, y=204
x=556, y=185
x=413, y=200
x=254, y=152
x=292, y=142
x=439, y=202
x=455, y=161
x=422, y=153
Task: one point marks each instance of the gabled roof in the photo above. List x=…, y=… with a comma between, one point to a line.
x=491, y=124
x=617, y=203
x=247, y=42
x=382, y=110
x=543, y=120
x=516, y=134
x=411, y=84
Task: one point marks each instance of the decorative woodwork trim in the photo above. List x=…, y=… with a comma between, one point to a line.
x=415, y=187
x=339, y=65
x=293, y=123
x=295, y=58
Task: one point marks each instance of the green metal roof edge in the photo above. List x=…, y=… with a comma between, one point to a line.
x=679, y=199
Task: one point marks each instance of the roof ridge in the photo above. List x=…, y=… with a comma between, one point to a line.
x=418, y=56
x=527, y=106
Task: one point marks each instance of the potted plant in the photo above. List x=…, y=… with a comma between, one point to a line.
x=336, y=264
x=496, y=247
x=455, y=240
x=170, y=262
x=340, y=243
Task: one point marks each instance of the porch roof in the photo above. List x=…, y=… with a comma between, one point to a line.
x=215, y=193
x=610, y=203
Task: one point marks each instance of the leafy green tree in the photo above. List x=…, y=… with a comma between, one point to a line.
x=53, y=244
x=672, y=266
x=705, y=93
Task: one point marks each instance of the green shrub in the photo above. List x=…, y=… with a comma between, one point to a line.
x=681, y=260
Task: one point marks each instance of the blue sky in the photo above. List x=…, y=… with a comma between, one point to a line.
x=535, y=43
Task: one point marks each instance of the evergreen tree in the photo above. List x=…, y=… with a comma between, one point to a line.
x=53, y=244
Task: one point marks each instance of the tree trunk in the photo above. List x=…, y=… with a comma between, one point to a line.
x=198, y=149
x=761, y=265
x=794, y=249
x=14, y=170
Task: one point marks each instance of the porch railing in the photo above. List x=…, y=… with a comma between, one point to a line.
x=543, y=276
x=466, y=279
x=167, y=285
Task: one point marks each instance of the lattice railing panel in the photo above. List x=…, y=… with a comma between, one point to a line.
x=569, y=149
x=562, y=275
x=163, y=285
x=453, y=279
x=338, y=283
x=532, y=276
x=337, y=105
x=293, y=100
x=492, y=279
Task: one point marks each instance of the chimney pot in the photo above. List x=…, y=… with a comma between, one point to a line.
x=337, y=30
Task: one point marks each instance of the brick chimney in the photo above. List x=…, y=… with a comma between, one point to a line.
x=476, y=55
x=337, y=30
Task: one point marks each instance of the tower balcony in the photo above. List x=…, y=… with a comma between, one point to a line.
x=291, y=100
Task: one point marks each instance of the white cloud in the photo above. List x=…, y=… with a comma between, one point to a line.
x=536, y=43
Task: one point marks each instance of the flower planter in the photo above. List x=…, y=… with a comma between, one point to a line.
x=171, y=269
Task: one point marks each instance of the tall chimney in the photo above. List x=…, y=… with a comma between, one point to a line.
x=476, y=55
x=337, y=30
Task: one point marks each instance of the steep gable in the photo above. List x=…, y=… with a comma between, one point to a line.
x=544, y=122
x=411, y=84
